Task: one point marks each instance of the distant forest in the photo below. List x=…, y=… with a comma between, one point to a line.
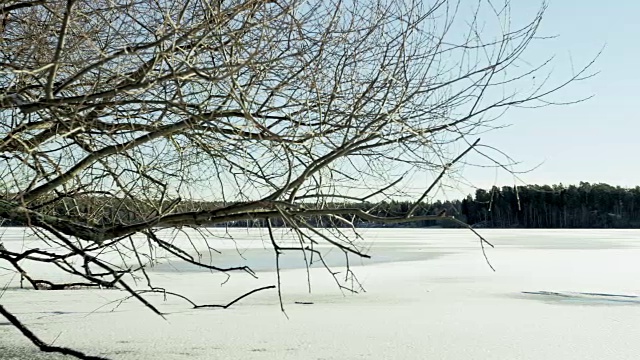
x=533, y=206
x=542, y=206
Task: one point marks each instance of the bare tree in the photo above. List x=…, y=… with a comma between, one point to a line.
x=119, y=118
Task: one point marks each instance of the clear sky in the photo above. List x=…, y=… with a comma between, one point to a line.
x=594, y=141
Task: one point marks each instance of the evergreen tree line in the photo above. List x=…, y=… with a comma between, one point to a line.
x=542, y=206
x=533, y=206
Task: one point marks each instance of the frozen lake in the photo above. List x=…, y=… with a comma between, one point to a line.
x=556, y=294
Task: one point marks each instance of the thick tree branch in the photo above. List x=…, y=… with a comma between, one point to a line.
x=41, y=344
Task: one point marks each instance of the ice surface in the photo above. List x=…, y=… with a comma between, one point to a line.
x=430, y=295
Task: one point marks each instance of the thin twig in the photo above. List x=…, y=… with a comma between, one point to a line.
x=437, y=180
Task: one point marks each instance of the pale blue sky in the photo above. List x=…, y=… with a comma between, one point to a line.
x=594, y=141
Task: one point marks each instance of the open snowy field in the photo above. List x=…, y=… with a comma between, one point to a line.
x=565, y=294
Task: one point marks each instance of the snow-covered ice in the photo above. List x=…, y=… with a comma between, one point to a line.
x=430, y=295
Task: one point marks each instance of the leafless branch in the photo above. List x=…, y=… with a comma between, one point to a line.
x=120, y=121
x=41, y=344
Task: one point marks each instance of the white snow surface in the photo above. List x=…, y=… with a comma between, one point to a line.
x=429, y=295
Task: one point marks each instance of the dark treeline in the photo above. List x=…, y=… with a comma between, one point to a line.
x=533, y=206
x=539, y=206
x=583, y=206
